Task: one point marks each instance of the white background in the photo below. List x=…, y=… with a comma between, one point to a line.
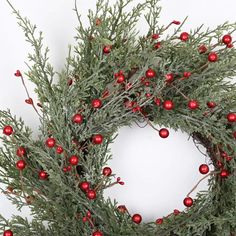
x=157, y=173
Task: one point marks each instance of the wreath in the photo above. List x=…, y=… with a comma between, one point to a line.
x=114, y=77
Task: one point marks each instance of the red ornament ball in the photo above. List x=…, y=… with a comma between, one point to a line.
x=224, y=173
x=97, y=233
x=231, y=117
x=150, y=73
x=212, y=57
x=184, y=36
x=120, y=79
x=107, y=49
x=84, y=186
x=74, y=160
x=164, y=133
x=8, y=130
x=211, y=104
x=193, y=104
x=203, y=169
x=227, y=39
x=59, y=150
x=122, y=209
x=20, y=165
x=20, y=152
x=202, y=49
x=91, y=194
x=43, y=175
x=50, y=142
x=169, y=77
x=77, y=118
x=168, y=105
x=159, y=221
x=97, y=139
x=96, y=103
x=157, y=45
x=8, y=233
x=188, y=201
x=106, y=171
x=136, y=218
x=155, y=36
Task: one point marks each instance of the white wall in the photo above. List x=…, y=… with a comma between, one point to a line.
x=158, y=173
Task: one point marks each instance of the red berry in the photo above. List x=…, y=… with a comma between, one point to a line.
x=8, y=233
x=20, y=165
x=106, y=171
x=59, y=150
x=164, y=133
x=202, y=49
x=176, y=212
x=122, y=208
x=203, y=169
x=212, y=57
x=97, y=139
x=74, y=160
x=91, y=194
x=188, y=201
x=136, y=218
x=155, y=36
x=157, y=45
x=68, y=168
x=64, y=169
x=20, y=152
x=43, y=175
x=169, y=77
x=107, y=49
x=184, y=36
x=227, y=39
x=77, y=118
x=97, y=233
x=120, y=79
x=8, y=130
x=150, y=73
x=168, y=105
x=230, y=45
x=157, y=101
x=84, y=186
x=159, y=221
x=96, y=103
x=18, y=73
x=176, y=22
x=211, y=104
x=193, y=104
x=50, y=142
x=187, y=74
x=224, y=173
x=231, y=117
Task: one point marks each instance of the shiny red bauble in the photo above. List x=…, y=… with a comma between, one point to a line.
x=211, y=104
x=120, y=79
x=193, y=104
x=97, y=233
x=227, y=39
x=163, y=133
x=202, y=49
x=159, y=221
x=106, y=49
x=203, y=169
x=136, y=218
x=50, y=142
x=168, y=105
x=43, y=175
x=77, y=118
x=169, y=77
x=59, y=149
x=84, y=186
x=20, y=152
x=231, y=117
x=224, y=173
x=7, y=130
x=184, y=36
x=74, y=160
x=8, y=233
x=96, y=103
x=20, y=165
x=91, y=194
x=188, y=201
x=212, y=57
x=106, y=171
x=97, y=139
x=150, y=73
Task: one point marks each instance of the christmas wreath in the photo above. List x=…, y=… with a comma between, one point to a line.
x=112, y=78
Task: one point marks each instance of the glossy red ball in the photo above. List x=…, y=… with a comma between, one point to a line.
x=120, y=79
x=8, y=233
x=203, y=169
x=150, y=73
x=227, y=39
x=184, y=36
x=224, y=173
x=202, y=49
x=7, y=130
x=168, y=105
x=91, y=194
x=193, y=104
x=212, y=57
x=20, y=165
x=155, y=36
x=77, y=118
x=97, y=139
x=43, y=175
x=74, y=160
x=96, y=103
x=136, y=218
x=159, y=221
x=59, y=150
x=106, y=171
x=84, y=186
x=20, y=152
x=107, y=49
x=188, y=201
x=169, y=77
x=164, y=133
x=50, y=142
x=211, y=104
x=231, y=117
x=97, y=233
